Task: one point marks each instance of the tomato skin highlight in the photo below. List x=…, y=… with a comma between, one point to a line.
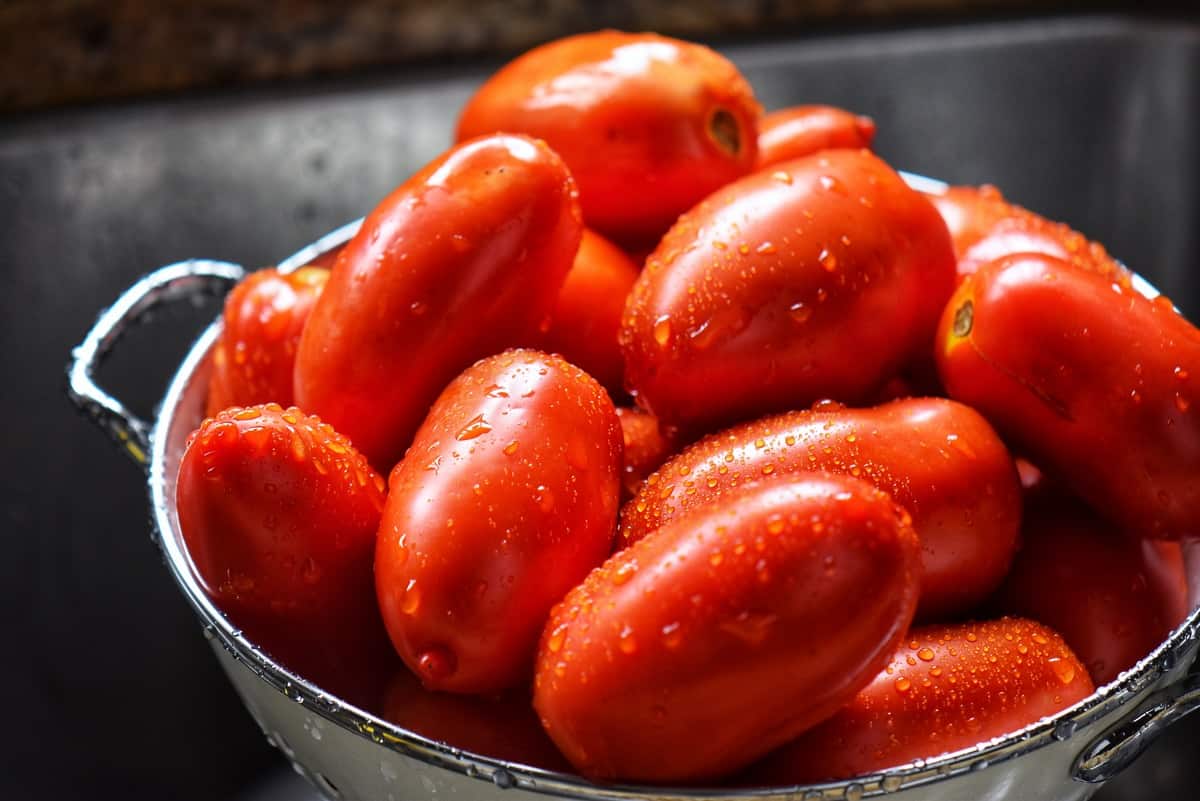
x=817, y=279
x=947, y=687
x=649, y=125
x=506, y=499
x=985, y=227
x=587, y=314
x=728, y=632
x=255, y=355
x=279, y=514
x=938, y=459
x=464, y=259
x=1089, y=379
x=1113, y=598
x=798, y=131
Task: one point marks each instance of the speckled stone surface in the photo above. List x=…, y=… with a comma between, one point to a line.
x=64, y=51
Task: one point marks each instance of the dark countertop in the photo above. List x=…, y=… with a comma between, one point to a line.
x=112, y=693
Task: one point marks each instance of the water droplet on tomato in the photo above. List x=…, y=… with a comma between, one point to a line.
x=662, y=330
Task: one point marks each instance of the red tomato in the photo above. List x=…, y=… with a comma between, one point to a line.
x=939, y=459
x=1113, y=599
x=803, y=130
x=255, y=356
x=587, y=316
x=648, y=125
x=1091, y=380
x=819, y=279
x=279, y=513
x=728, y=632
x=985, y=227
x=498, y=727
x=464, y=259
x=947, y=688
x=506, y=499
x=646, y=447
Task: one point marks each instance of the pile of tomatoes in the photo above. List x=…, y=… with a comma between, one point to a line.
x=715, y=451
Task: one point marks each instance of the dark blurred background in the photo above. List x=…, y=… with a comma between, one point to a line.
x=135, y=133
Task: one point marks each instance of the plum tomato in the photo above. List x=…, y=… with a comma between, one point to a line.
x=818, y=279
x=279, y=514
x=1113, y=598
x=501, y=726
x=255, y=355
x=646, y=447
x=466, y=258
x=947, y=687
x=727, y=632
x=506, y=499
x=1092, y=381
x=985, y=226
x=648, y=125
x=938, y=459
x=587, y=316
x=803, y=130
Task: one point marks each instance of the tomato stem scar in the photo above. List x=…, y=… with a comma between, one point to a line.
x=964, y=319
x=723, y=129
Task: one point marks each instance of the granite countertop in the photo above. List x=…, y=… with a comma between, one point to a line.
x=54, y=52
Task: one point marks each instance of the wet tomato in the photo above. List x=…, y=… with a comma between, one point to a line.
x=255, y=355
x=818, y=279
x=938, y=459
x=727, y=632
x=506, y=499
x=1113, y=598
x=648, y=125
x=803, y=130
x=501, y=726
x=646, y=447
x=985, y=227
x=947, y=687
x=279, y=515
x=587, y=316
x=1094, y=382
x=465, y=258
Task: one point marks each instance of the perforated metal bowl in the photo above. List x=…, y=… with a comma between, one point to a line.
x=353, y=755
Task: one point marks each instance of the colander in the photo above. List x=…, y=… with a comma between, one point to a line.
x=350, y=754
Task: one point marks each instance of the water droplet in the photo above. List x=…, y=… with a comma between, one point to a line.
x=510, y=448
x=1135, y=397
x=1181, y=374
x=716, y=558
x=672, y=635
x=1063, y=669
x=555, y=641
x=624, y=573
x=971, y=636
x=782, y=177
x=626, y=642
x=412, y=598
x=475, y=427
x=903, y=685
x=775, y=524
x=800, y=312
x=436, y=663
x=1181, y=403
x=662, y=330
x=828, y=261
x=765, y=248
x=1039, y=639
x=1065, y=729
x=925, y=654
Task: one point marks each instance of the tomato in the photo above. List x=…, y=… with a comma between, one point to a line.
x=803, y=130
x=1092, y=381
x=939, y=459
x=646, y=447
x=818, y=279
x=587, y=315
x=648, y=125
x=498, y=727
x=465, y=258
x=1113, y=598
x=947, y=687
x=727, y=632
x=279, y=513
x=506, y=499
x=985, y=227
x=255, y=354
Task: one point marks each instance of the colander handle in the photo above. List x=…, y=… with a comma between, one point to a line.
x=1117, y=748
x=185, y=280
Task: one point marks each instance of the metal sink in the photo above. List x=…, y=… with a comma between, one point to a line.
x=1091, y=120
